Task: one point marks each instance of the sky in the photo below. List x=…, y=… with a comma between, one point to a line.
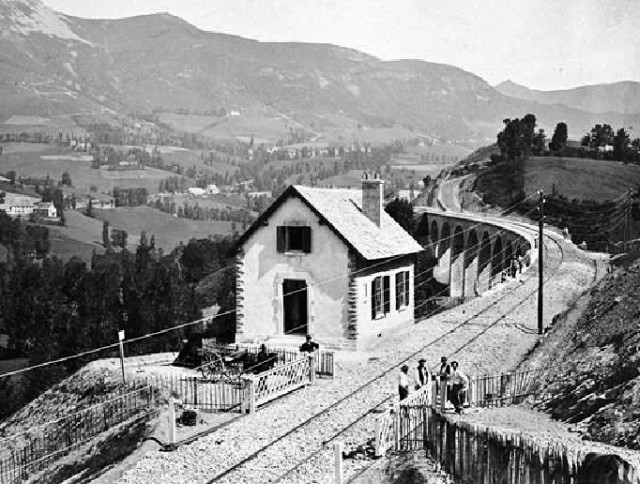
x=542, y=44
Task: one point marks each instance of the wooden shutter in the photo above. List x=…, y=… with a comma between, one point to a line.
x=306, y=239
x=386, y=294
x=407, y=292
x=374, y=295
x=281, y=236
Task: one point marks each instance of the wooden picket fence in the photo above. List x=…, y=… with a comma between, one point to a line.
x=387, y=430
x=478, y=454
x=503, y=389
x=31, y=451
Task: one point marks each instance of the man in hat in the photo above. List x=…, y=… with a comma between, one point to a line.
x=309, y=346
x=421, y=375
x=444, y=374
x=403, y=382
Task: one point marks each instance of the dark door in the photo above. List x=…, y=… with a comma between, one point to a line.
x=295, y=306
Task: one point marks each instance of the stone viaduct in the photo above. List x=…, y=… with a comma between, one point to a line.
x=470, y=254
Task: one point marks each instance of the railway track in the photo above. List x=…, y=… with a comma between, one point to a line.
x=358, y=407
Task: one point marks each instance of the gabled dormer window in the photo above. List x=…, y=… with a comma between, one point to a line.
x=293, y=239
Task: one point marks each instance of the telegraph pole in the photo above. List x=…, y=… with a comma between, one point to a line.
x=540, y=263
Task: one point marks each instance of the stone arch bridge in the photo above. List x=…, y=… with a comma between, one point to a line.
x=470, y=253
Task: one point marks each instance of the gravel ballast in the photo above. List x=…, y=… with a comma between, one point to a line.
x=489, y=343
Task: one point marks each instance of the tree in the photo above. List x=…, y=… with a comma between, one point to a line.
x=538, y=143
x=600, y=136
x=90, y=208
x=66, y=179
x=105, y=235
x=621, y=142
x=11, y=175
x=402, y=212
x=559, y=138
x=119, y=238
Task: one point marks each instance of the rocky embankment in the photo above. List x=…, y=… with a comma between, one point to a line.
x=592, y=355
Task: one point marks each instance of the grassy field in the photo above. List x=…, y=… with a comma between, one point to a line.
x=580, y=178
x=168, y=230
x=80, y=236
x=190, y=158
x=218, y=201
x=38, y=162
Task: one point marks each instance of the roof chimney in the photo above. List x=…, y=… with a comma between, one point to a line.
x=372, y=194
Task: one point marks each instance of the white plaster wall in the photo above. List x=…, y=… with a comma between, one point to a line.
x=368, y=328
x=265, y=268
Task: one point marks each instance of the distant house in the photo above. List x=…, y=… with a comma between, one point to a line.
x=265, y=193
x=45, y=209
x=196, y=192
x=18, y=206
x=326, y=262
x=244, y=185
x=103, y=202
x=212, y=190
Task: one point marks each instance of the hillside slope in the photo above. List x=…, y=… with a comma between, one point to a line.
x=54, y=64
x=592, y=356
x=619, y=97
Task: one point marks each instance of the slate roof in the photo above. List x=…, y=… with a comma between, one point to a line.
x=341, y=210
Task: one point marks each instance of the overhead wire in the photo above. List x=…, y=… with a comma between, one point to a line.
x=212, y=318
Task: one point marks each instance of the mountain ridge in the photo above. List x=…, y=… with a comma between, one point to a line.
x=161, y=63
x=619, y=97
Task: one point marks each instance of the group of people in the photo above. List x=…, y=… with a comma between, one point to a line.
x=451, y=383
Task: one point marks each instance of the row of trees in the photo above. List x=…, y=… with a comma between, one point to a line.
x=54, y=309
x=603, y=141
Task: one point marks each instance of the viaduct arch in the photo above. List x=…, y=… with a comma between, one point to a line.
x=470, y=255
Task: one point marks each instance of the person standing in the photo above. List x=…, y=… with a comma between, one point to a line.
x=421, y=375
x=403, y=382
x=459, y=385
x=309, y=346
x=444, y=373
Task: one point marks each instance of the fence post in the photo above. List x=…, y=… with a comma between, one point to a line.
x=172, y=423
x=333, y=364
x=337, y=453
x=443, y=395
x=121, y=345
x=312, y=368
x=250, y=394
x=378, y=440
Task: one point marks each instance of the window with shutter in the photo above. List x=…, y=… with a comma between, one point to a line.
x=373, y=299
x=407, y=293
x=377, y=298
x=281, y=236
x=402, y=289
x=294, y=239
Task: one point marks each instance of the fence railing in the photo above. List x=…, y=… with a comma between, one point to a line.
x=274, y=383
x=473, y=453
x=503, y=388
x=482, y=391
x=225, y=395
x=324, y=361
x=386, y=429
x=23, y=454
